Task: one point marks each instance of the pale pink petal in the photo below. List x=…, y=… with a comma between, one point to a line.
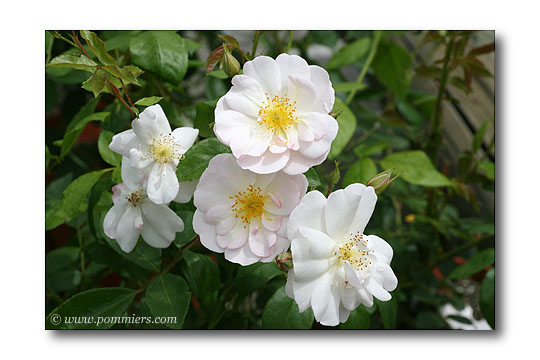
x=265, y=71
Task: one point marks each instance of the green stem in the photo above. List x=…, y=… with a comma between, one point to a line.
x=367, y=64
x=255, y=44
x=83, y=268
x=290, y=41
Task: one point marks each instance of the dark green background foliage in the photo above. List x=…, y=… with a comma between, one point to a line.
x=437, y=216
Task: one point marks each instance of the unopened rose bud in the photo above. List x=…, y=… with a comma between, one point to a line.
x=284, y=261
x=381, y=181
x=229, y=64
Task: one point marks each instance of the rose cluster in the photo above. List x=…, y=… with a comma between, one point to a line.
x=252, y=204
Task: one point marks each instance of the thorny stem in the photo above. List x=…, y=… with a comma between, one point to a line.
x=367, y=64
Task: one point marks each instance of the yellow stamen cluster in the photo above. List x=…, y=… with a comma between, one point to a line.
x=248, y=204
x=135, y=197
x=278, y=113
x=355, y=252
x=164, y=149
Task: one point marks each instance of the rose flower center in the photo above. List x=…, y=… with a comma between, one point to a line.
x=248, y=204
x=164, y=149
x=135, y=197
x=278, y=114
x=355, y=252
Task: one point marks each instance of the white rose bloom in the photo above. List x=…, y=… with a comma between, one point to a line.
x=275, y=116
x=155, y=150
x=243, y=214
x=133, y=214
x=335, y=266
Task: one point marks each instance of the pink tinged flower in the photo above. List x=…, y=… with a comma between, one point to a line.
x=275, y=116
x=243, y=214
x=336, y=267
x=133, y=214
x=155, y=150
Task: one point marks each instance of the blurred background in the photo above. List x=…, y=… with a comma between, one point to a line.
x=421, y=102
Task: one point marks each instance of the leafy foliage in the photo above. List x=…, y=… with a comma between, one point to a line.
x=437, y=215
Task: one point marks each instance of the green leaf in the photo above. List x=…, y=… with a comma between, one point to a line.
x=475, y=264
x=370, y=147
x=358, y=319
x=168, y=295
x=98, y=82
x=98, y=191
x=96, y=303
x=347, y=124
x=110, y=157
x=349, y=86
x=313, y=178
x=252, y=277
x=281, y=312
x=60, y=258
x=72, y=199
x=72, y=135
x=460, y=319
x=148, y=101
x=410, y=113
x=65, y=280
x=360, y=172
x=204, y=120
x=162, y=53
x=197, y=158
x=393, y=67
x=388, y=310
x=417, y=168
x=128, y=74
x=479, y=135
x=488, y=168
x=79, y=62
x=86, y=110
x=487, y=297
x=202, y=274
x=184, y=237
x=429, y=320
x=349, y=54
x=191, y=46
x=143, y=255
x=97, y=46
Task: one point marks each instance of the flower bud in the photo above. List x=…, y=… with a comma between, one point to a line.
x=380, y=181
x=284, y=261
x=229, y=64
